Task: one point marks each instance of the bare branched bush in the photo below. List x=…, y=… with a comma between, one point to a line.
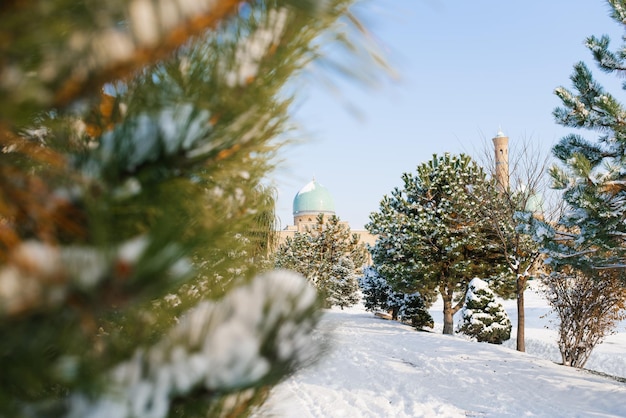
x=528, y=191
x=588, y=309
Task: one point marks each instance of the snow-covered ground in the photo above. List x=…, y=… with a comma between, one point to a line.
x=379, y=368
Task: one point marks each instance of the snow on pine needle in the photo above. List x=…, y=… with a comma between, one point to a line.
x=229, y=345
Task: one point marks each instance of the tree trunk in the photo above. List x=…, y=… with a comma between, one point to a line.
x=394, y=313
x=521, y=318
x=448, y=315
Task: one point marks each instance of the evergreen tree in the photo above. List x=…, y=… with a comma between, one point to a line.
x=590, y=234
x=379, y=295
x=343, y=286
x=133, y=220
x=585, y=247
x=413, y=310
x=329, y=256
x=431, y=237
x=482, y=316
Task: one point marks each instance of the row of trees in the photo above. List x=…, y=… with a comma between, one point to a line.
x=332, y=259
x=432, y=237
x=447, y=226
x=450, y=223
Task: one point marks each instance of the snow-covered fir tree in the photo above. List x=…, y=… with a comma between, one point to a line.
x=329, y=256
x=343, y=286
x=431, y=235
x=378, y=295
x=136, y=138
x=482, y=316
x=413, y=310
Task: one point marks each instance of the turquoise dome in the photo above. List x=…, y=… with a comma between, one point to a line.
x=313, y=198
x=534, y=203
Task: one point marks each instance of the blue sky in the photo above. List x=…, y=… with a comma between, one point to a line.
x=464, y=70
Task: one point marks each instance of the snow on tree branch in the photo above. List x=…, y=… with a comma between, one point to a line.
x=225, y=345
x=40, y=276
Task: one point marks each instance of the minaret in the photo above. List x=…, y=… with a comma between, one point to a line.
x=501, y=146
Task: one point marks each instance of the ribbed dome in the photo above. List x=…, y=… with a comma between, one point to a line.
x=313, y=198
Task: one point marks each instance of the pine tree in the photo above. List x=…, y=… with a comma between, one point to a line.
x=482, y=316
x=584, y=247
x=329, y=256
x=343, y=286
x=431, y=237
x=590, y=234
x=134, y=223
x=379, y=295
x=413, y=310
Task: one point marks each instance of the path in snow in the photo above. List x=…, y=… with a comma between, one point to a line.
x=379, y=368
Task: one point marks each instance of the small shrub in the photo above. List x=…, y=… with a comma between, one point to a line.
x=482, y=316
x=413, y=310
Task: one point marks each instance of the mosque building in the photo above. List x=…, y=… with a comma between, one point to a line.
x=314, y=198
x=308, y=203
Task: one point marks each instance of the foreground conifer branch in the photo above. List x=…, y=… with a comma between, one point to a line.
x=135, y=222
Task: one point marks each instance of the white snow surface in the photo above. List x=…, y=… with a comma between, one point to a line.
x=382, y=368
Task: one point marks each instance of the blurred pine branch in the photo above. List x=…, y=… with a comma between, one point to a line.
x=135, y=218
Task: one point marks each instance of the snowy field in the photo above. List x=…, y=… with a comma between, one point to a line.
x=379, y=368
